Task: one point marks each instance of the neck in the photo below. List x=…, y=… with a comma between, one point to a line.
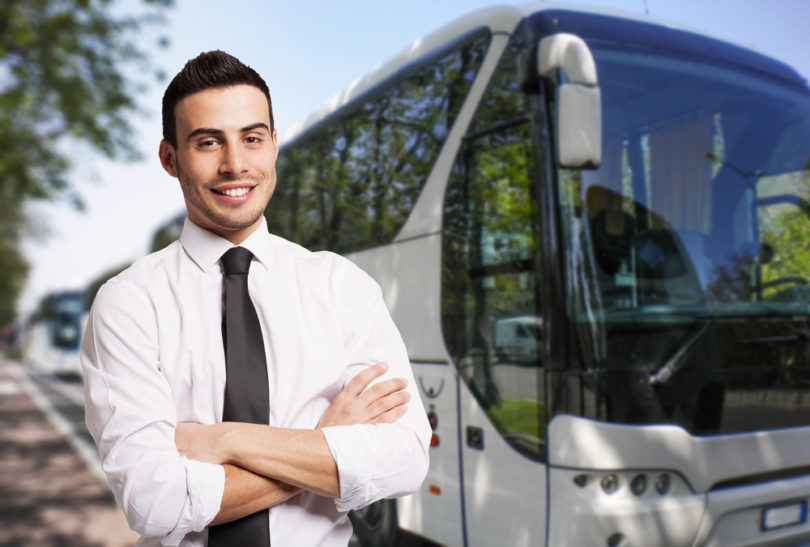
x=235, y=236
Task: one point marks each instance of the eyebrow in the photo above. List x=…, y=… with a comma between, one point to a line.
x=218, y=132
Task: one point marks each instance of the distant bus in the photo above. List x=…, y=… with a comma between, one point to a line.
x=52, y=335
x=637, y=198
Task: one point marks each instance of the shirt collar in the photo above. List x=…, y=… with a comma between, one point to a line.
x=206, y=248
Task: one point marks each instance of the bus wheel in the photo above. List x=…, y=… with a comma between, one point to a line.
x=375, y=524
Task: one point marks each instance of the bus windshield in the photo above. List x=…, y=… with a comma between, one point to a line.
x=688, y=249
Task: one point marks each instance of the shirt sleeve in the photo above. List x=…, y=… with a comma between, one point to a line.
x=130, y=413
x=380, y=460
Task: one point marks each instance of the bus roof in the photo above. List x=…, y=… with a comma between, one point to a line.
x=586, y=22
x=655, y=34
x=498, y=19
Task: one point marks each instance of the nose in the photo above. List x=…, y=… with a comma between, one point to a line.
x=233, y=161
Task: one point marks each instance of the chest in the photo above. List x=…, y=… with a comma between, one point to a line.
x=302, y=338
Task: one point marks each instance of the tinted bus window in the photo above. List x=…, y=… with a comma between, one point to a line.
x=491, y=321
x=350, y=183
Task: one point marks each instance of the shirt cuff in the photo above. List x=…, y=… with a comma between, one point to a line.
x=206, y=485
x=354, y=451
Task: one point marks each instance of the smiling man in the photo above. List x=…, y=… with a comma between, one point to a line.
x=241, y=389
x=227, y=172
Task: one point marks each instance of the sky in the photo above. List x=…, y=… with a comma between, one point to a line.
x=307, y=51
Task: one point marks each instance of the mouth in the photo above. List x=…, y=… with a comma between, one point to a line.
x=233, y=192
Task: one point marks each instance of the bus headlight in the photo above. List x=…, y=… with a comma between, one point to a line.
x=639, y=484
x=610, y=483
x=662, y=484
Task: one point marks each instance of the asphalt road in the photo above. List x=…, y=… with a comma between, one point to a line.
x=51, y=493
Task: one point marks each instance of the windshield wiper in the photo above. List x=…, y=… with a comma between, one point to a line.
x=674, y=363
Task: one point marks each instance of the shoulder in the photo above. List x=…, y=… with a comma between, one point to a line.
x=135, y=283
x=336, y=272
x=325, y=262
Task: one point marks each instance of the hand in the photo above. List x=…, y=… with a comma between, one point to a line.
x=384, y=402
x=201, y=442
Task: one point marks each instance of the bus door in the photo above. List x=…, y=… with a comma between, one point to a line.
x=492, y=317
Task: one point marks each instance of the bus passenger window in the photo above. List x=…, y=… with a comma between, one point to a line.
x=349, y=183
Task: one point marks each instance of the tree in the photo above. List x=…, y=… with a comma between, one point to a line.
x=61, y=79
x=13, y=270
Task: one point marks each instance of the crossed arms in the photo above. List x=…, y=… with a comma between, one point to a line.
x=265, y=465
x=172, y=478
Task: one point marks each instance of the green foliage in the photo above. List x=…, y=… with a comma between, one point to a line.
x=62, y=79
x=519, y=417
x=351, y=183
x=786, y=229
x=62, y=66
x=13, y=269
x=489, y=245
x=489, y=223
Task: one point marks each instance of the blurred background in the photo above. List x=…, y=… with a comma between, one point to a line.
x=91, y=139
x=82, y=191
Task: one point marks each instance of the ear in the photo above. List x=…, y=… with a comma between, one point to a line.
x=275, y=143
x=168, y=157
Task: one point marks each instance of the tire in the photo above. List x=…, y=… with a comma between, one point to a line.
x=375, y=525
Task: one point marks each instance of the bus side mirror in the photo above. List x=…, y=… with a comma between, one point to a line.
x=578, y=115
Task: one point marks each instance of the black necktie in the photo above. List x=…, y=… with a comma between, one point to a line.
x=246, y=389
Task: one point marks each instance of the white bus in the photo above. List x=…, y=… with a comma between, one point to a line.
x=637, y=197
x=51, y=337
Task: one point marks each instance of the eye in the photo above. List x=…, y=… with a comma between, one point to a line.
x=253, y=140
x=207, y=143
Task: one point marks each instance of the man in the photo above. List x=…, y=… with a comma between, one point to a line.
x=344, y=425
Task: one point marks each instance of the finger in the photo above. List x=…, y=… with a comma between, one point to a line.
x=391, y=416
x=361, y=380
x=386, y=404
x=382, y=389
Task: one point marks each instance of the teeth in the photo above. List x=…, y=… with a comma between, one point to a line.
x=234, y=192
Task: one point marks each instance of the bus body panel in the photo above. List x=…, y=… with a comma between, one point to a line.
x=700, y=505
x=406, y=274
x=734, y=516
x=504, y=491
x=704, y=462
x=588, y=515
x=413, y=299
x=435, y=510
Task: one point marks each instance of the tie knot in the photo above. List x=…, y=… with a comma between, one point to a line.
x=236, y=261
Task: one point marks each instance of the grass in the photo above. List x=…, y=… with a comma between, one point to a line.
x=519, y=417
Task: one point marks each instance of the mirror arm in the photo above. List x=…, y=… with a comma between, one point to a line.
x=570, y=54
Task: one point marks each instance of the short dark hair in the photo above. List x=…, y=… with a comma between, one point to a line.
x=208, y=70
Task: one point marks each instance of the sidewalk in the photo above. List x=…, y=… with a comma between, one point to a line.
x=48, y=497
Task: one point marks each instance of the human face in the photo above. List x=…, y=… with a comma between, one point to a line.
x=225, y=159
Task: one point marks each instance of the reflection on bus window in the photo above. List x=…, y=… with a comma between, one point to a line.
x=689, y=247
x=351, y=185
x=519, y=339
x=490, y=314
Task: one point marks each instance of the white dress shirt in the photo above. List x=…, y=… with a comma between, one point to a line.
x=152, y=357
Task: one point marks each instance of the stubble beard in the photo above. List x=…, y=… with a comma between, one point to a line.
x=228, y=222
